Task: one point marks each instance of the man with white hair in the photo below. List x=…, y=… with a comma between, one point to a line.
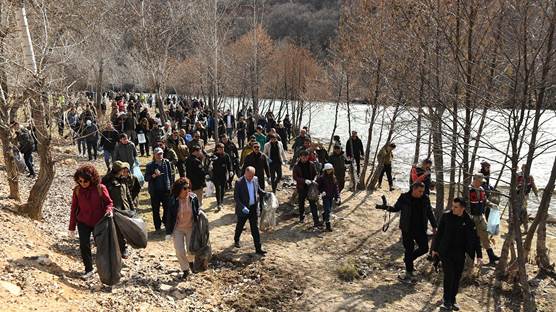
x=247, y=195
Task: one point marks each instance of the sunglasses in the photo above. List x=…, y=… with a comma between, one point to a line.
x=256, y=147
x=82, y=181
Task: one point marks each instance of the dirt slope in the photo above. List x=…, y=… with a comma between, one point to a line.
x=41, y=266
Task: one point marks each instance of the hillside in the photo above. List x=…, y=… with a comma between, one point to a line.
x=40, y=266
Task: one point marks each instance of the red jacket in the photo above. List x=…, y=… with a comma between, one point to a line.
x=87, y=207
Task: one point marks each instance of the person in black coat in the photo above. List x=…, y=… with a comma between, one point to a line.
x=221, y=167
x=108, y=140
x=259, y=161
x=354, y=149
x=247, y=195
x=416, y=212
x=195, y=172
x=456, y=236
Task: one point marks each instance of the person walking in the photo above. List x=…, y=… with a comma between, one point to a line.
x=338, y=161
x=89, y=204
x=230, y=122
x=221, y=167
x=177, y=143
x=274, y=151
x=421, y=174
x=241, y=133
x=385, y=156
x=90, y=134
x=158, y=174
x=415, y=212
x=196, y=172
x=120, y=193
x=456, y=236
x=328, y=187
x=260, y=137
x=108, y=140
x=524, y=188
x=125, y=151
x=26, y=145
x=354, y=150
x=258, y=161
x=247, y=195
x=183, y=212
x=304, y=173
x=477, y=208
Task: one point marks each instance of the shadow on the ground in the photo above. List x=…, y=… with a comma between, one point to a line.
x=382, y=296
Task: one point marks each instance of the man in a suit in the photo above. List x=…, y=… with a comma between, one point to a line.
x=247, y=195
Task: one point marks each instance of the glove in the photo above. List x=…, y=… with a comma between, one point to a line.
x=308, y=182
x=245, y=210
x=230, y=175
x=168, y=237
x=109, y=213
x=71, y=234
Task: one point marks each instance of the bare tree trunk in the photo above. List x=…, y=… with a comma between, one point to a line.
x=418, y=137
x=371, y=125
x=335, y=118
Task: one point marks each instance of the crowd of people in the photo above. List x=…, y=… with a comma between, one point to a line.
x=181, y=166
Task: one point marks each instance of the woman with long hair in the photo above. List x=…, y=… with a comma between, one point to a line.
x=329, y=186
x=90, y=203
x=183, y=212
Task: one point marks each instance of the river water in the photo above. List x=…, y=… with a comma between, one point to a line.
x=320, y=120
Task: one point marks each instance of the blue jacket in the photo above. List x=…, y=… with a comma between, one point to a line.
x=162, y=183
x=241, y=194
x=173, y=208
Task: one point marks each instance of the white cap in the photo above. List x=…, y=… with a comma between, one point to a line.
x=328, y=166
x=158, y=150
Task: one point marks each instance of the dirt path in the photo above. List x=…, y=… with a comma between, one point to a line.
x=299, y=273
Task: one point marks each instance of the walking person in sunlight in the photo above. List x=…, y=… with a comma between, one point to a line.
x=184, y=210
x=456, y=236
x=90, y=202
x=328, y=187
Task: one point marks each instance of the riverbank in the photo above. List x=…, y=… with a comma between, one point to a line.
x=354, y=268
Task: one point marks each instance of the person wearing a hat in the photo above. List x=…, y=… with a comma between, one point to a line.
x=338, y=160
x=422, y=173
x=477, y=207
x=328, y=186
x=259, y=136
x=158, y=174
x=118, y=187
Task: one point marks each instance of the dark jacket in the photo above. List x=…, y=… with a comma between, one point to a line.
x=298, y=174
x=241, y=194
x=119, y=191
x=25, y=141
x=108, y=140
x=126, y=153
x=221, y=165
x=259, y=162
x=453, y=229
x=404, y=205
x=339, y=163
x=90, y=133
x=162, y=183
x=173, y=209
x=231, y=149
x=195, y=172
x=357, y=147
x=328, y=186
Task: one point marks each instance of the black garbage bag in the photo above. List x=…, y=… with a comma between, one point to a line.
x=132, y=228
x=108, y=258
x=199, y=242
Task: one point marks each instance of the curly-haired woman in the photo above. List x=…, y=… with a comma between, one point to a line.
x=183, y=212
x=90, y=202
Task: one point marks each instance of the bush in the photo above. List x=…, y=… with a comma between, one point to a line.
x=348, y=271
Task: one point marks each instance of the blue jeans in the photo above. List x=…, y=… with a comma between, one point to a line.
x=107, y=157
x=229, y=132
x=327, y=203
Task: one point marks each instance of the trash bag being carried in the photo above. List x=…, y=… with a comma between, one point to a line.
x=108, y=258
x=132, y=228
x=136, y=171
x=20, y=162
x=199, y=243
x=313, y=193
x=268, y=213
x=210, y=190
x=493, y=225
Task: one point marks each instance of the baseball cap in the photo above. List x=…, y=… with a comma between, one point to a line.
x=158, y=150
x=328, y=166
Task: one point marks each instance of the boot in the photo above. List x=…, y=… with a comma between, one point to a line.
x=328, y=227
x=491, y=257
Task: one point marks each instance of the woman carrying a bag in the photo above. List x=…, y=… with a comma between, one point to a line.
x=183, y=213
x=90, y=203
x=329, y=188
